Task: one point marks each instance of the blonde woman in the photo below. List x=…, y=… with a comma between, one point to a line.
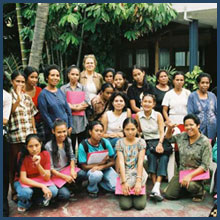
x=89, y=78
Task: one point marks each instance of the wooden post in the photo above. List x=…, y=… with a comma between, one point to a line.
x=156, y=56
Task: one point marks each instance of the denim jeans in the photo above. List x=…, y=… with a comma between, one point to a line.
x=105, y=178
x=28, y=195
x=64, y=192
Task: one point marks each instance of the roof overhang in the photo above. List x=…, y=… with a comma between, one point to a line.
x=205, y=13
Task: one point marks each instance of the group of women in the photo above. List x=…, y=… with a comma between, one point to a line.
x=125, y=112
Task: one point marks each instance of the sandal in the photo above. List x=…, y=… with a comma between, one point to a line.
x=14, y=197
x=21, y=209
x=199, y=198
x=93, y=195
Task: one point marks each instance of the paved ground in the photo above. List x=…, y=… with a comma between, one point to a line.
x=106, y=205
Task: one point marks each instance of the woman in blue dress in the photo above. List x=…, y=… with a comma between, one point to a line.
x=204, y=104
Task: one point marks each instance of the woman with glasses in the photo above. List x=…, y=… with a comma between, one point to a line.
x=89, y=78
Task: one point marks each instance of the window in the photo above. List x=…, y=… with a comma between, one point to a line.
x=180, y=58
x=164, y=58
x=142, y=58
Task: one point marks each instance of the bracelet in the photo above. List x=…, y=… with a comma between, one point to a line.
x=138, y=177
x=123, y=182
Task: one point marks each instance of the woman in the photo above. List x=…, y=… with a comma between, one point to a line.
x=130, y=154
x=61, y=153
x=136, y=90
x=120, y=82
x=100, y=102
x=176, y=100
x=80, y=122
x=108, y=75
x=195, y=155
x=98, y=172
x=34, y=164
x=89, y=78
x=204, y=104
x=31, y=79
x=160, y=89
x=21, y=122
x=52, y=102
x=151, y=124
x=114, y=118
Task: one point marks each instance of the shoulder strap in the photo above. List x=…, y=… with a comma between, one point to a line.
x=103, y=144
x=85, y=145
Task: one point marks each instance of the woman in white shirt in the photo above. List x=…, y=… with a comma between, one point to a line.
x=175, y=101
x=114, y=118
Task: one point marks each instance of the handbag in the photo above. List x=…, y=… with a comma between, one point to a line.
x=152, y=144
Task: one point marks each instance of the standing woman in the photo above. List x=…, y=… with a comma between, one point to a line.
x=160, y=89
x=204, y=104
x=34, y=161
x=31, y=79
x=130, y=154
x=114, y=118
x=21, y=122
x=176, y=100
x=136, y=90
x=52, y=102
x=120, y=82
x=89, y=78
x=100, y=102
x=108, y=75
x=151, y=124
x=79, y=122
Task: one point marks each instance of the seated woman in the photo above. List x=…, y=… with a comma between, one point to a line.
x=195, y=155
x=151, y=125
x=130, y=154
x=61, y=152
x=114, y=118
x=98, y=173
x=34, y=161
x=100, y=102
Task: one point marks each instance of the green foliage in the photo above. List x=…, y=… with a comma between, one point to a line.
x=151, y=79
x=171, y=71
x=104, y=26
x=10, y=64
x=190, y=78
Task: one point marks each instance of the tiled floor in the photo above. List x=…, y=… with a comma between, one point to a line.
x=106, y=205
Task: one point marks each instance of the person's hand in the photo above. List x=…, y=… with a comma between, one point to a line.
x=186, y=180
x=159, y=148
x=120, y=134
x=126, y=189
x=112, y=135
x=19, y=91
x=73, y=174
x=69, y=179
x=105, y=160
x=137, y=188
x=36, y=159
x=47, y=192
x=95, y=168
x=170, y=125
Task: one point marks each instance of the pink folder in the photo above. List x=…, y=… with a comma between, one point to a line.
x=59, y=182
x=118, y=189
x=38, y=179
x=203, y=176
x=76, y=97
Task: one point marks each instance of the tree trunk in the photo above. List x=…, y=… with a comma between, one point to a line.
x=156, y=56
x=21, y=40
x=39, y=32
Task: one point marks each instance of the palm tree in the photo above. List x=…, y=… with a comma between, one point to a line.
x=39, y=32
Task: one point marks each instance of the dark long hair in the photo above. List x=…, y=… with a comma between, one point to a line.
x=24, y=152
x=55, y=148
x=125, y=85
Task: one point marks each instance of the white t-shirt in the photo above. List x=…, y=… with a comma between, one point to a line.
x=177, y=105
x=90, y=87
